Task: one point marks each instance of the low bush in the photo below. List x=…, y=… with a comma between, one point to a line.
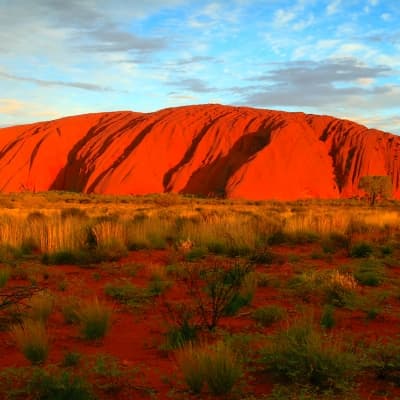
x=181, y=327
x=62, y=257
x=383, y=359
x=222, y=368
x=244, y=296
x=213, y=289
x=361, y=250
x=370, y=273
x=59, y=385
x=192, y=363
x=158, y=281
x=70, y=307
x=216, y=365
x=328, y=317
x=339, y=289
x=40, y=307
x=71, y=359
x=95, y=319
x=31, y=338
x=5, y=274
x=126, y=293
x=302, y=355
x=268, y=315
x=195, y=254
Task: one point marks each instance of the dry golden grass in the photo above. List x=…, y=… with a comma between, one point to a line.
x=47, y=222
x=346, y=281
x=40, y=307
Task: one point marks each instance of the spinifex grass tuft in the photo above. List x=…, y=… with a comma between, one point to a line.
x=216, y=365
x=40, y=307
x=95, y=319
x=31, y=338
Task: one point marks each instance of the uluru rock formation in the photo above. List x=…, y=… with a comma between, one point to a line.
x=237, y=152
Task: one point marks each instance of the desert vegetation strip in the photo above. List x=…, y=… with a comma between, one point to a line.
x=183, y=298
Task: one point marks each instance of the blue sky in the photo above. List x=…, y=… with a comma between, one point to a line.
x=335, y=57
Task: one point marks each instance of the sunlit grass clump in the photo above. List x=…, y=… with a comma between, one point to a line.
x=40, y=307
x=216, y=366
x=95, y=319
x=301, y=354
x=31, y=338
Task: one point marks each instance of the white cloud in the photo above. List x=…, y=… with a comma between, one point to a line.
x=386, y=17
x=305, y=23
x=333, y=7
x=282, y=17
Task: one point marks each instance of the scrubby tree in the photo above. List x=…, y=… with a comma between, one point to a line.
x=376, y=187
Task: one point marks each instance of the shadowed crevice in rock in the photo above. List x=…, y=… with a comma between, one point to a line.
x=213, y=178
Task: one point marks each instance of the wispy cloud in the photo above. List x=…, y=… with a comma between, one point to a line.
x=194, y=85
x=333, y=7
x=335, y=83
x=44, y=82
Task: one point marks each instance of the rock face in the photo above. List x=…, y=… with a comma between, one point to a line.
x=236, y=152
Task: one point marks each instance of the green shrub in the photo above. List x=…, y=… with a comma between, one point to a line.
x=268, y=315
x=339, y=289
x=71, y=359
x=157, y=286
x=213, y=288
x=335, y=242
x=70, y=310
x=370, y=273
x=31, y=338
x=40, y=306
x=62, y=385
x=191, y=361
x=5, y=274
x=222, y=368
x=216, y=365
x=265, y=256
x=328, y=317
x=126, y=293
x=361, y=250
x=181, y=327
x=386, y=250
x=302, y=355
x=384, y=360
x=277, y=238
x=178, y=336
x=109, y=376
x=74, y=257
x=9, y=254
x=196, y=253
x=244, y=296
x=95, y=319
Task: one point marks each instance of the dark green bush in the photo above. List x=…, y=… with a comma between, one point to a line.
x=328, y=317
x=267, y=315
x=63, y=385
x=370, y=273
x=361, y=250
x=302, y=355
